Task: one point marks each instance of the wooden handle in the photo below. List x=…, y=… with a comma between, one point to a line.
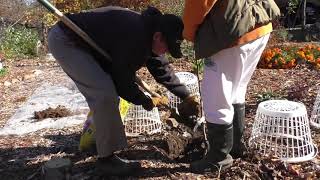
x=146, y=87
x=84, y=36
x=74, y=27
x=49, y=6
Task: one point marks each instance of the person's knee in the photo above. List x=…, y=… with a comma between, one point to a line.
x=105, y=101
x=221, y=116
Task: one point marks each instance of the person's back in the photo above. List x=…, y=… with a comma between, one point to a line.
x=122, y=31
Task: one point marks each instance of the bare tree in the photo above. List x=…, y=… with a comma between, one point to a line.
x=303, y=13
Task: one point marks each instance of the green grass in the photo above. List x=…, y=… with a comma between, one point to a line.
x=198, y=66
x=19, y=42
x=268, y=95
x=3, y=72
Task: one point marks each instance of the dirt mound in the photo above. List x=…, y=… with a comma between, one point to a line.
x=178, y=144
x=189, y=107
x=59, y=111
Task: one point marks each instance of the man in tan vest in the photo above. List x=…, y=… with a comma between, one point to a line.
x=231, y=35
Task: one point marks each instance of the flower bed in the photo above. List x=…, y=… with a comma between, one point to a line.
x=286, y=57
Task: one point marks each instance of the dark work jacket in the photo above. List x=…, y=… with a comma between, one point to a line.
x=127, y=37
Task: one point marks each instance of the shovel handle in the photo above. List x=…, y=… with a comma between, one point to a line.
x=49, y=6
x=73, y=27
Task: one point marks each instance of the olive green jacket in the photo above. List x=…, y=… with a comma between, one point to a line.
x=230, y=19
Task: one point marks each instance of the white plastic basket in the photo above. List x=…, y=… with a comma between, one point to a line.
x=191, y=82
x=315, y=115
x=281, y=128
x=139, y=121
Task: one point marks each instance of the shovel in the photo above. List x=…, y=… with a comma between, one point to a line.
x=87, y=38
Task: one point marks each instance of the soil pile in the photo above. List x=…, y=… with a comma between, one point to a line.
x=57, y=112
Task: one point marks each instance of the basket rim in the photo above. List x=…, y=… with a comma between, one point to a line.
x=300, y=111
x=189, y=82
x=295, y=159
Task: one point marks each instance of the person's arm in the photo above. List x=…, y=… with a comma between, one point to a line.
x=164, y=74
x=194, y=13
x=124, y=80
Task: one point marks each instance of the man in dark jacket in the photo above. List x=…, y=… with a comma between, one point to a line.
x=132, y=40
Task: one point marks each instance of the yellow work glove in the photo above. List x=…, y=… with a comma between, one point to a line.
x=155, y=102
x=163, y=101
x=190, y=107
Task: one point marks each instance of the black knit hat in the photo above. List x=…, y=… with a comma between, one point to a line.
x=171, y=26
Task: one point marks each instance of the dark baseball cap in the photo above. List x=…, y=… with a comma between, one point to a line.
x=171, y=26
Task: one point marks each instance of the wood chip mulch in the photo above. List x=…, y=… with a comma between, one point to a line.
x=22, y=156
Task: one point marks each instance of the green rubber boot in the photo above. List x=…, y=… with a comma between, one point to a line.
x=220, y=139
x=239, y=147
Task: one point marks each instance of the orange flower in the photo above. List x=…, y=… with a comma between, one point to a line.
x=282, y=57
x=309, y=46
x=301, y=54
x=310, y=57
x=268, y=58
x=301, y=49
x=277, y=50
x=292, y=63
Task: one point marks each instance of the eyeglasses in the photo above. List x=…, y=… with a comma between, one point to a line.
x=179, y=41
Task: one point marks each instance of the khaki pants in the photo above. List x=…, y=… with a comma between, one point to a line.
x=96, y=86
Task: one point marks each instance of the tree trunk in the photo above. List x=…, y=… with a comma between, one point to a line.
x=57, y=169
x=303, y=16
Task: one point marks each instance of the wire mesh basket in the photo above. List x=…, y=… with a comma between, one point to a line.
x=315, y=114
x=281, y=128
x=139, y=121
x=191, y=82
